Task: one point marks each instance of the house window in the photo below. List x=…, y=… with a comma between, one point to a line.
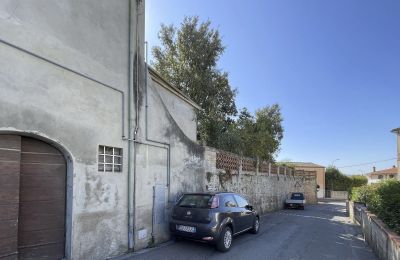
x=110, y=159
x=380, y=176
x=391, y=176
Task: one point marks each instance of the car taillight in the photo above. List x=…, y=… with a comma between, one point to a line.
x=215, y=202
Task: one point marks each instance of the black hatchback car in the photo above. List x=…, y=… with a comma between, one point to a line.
x=213, y=217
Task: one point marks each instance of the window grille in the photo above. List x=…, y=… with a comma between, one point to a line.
x=110, y=159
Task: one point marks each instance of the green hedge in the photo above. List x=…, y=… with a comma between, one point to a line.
x=336, y=180
x=383, y=199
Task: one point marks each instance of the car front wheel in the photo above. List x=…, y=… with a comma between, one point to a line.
x=225, y=240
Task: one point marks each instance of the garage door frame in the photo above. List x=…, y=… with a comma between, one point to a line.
x=69, y=181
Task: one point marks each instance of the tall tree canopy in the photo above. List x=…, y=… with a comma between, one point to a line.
x=260, y=135
x=187, y=58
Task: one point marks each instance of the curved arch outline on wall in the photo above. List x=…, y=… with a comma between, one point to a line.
x=70, y=172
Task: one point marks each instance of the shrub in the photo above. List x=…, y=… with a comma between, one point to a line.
x=383, y=199
x=336, y=180
x=387, y=207
x=358, y=180
x=363, y=194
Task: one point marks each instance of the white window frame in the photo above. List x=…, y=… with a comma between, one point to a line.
x=113, y=155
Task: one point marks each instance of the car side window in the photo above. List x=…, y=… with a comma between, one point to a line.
x=229, y=201
x=241, y=201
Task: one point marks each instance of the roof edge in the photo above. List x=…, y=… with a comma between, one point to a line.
x=310, y=164
x=384, y=171
x=396, y=130
x=174, y=90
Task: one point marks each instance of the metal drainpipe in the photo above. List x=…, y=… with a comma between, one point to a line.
x=129, y=139
x=136, y=117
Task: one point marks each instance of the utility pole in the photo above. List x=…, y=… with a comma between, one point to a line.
x=397, y=132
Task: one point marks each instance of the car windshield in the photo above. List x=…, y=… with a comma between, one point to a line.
x=195, y=201
x=297, y=196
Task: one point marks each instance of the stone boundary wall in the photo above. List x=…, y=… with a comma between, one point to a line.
x=384, y=242
x=339, y=195
x=265, y=185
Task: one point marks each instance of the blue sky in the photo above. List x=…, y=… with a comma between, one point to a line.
x=333, y=66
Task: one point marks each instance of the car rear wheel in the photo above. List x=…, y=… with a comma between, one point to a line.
x=225, y=240
x=256, y=226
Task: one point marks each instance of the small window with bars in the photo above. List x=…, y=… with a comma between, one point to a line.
x=110, y=159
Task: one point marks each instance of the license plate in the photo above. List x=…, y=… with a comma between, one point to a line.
x=186, y=228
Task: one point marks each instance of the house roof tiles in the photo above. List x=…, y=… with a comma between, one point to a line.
x=392, y=170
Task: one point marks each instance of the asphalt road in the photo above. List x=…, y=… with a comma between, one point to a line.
x=319, y=232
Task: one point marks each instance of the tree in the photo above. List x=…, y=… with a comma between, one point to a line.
x=336, y=180
x=358, y=180
x=260, y=135
x=269, y=132
x=188, y=60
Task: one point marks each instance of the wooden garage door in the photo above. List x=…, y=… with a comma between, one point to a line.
x=10, y=147
x=41, y=204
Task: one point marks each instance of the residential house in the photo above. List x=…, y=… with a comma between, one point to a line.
x=377, y=176
x=320, y=171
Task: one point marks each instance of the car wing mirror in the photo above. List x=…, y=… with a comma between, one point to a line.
x=249, y=207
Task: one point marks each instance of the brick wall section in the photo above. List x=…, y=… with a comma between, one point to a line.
x=265, y=190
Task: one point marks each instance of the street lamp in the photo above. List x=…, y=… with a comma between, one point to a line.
x=332, y=164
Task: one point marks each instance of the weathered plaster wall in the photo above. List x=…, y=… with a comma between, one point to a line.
x=89, y=36
x=165, y=138
x=266, y=192
x=320, y=178
x=185, y=120
x=75, y=110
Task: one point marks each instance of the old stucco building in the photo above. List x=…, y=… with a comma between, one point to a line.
x=320, y=171
x=66, y=85
x=91, y=144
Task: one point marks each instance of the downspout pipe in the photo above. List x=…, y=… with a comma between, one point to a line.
x=132, y=192
x=129, y=139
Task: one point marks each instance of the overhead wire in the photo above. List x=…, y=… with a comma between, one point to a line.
x=367, y=163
